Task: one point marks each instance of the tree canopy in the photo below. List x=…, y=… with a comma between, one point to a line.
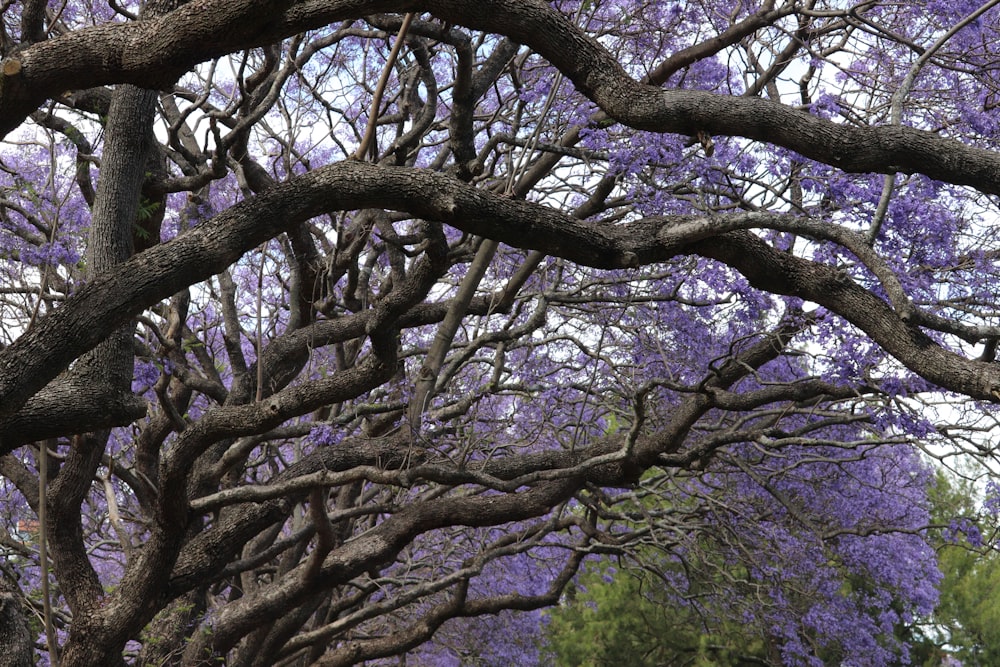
x=339, y=331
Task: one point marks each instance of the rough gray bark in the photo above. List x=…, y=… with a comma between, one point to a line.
x=108, y=367
x=169, y=630
x=15, y=639
x=128, y=141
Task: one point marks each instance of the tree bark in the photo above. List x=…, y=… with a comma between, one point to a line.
x=129, y=136
x=15, y=637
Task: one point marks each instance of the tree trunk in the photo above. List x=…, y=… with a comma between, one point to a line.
x=14, y=635
x=129, y=136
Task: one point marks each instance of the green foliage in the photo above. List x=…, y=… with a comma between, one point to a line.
x=966, y=624
x=147, y=209
x=623, y=618
x=969, y=605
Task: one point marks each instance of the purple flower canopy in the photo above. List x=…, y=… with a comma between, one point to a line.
x=348, y=337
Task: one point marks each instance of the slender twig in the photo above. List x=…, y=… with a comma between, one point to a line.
x=43, y=483
x=373, y=114
x=260, y=324
x=43, y=552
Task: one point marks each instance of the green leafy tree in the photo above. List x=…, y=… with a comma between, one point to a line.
x=622, y=617
x=966, y=624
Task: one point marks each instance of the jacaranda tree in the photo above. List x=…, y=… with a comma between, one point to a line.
x=337, y=331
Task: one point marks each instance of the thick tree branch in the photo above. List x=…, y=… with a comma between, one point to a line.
x=209, y=28
x=376, y=548
x=110, y=300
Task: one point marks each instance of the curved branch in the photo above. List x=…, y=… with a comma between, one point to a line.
x=205, y=29
x=109, y=300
